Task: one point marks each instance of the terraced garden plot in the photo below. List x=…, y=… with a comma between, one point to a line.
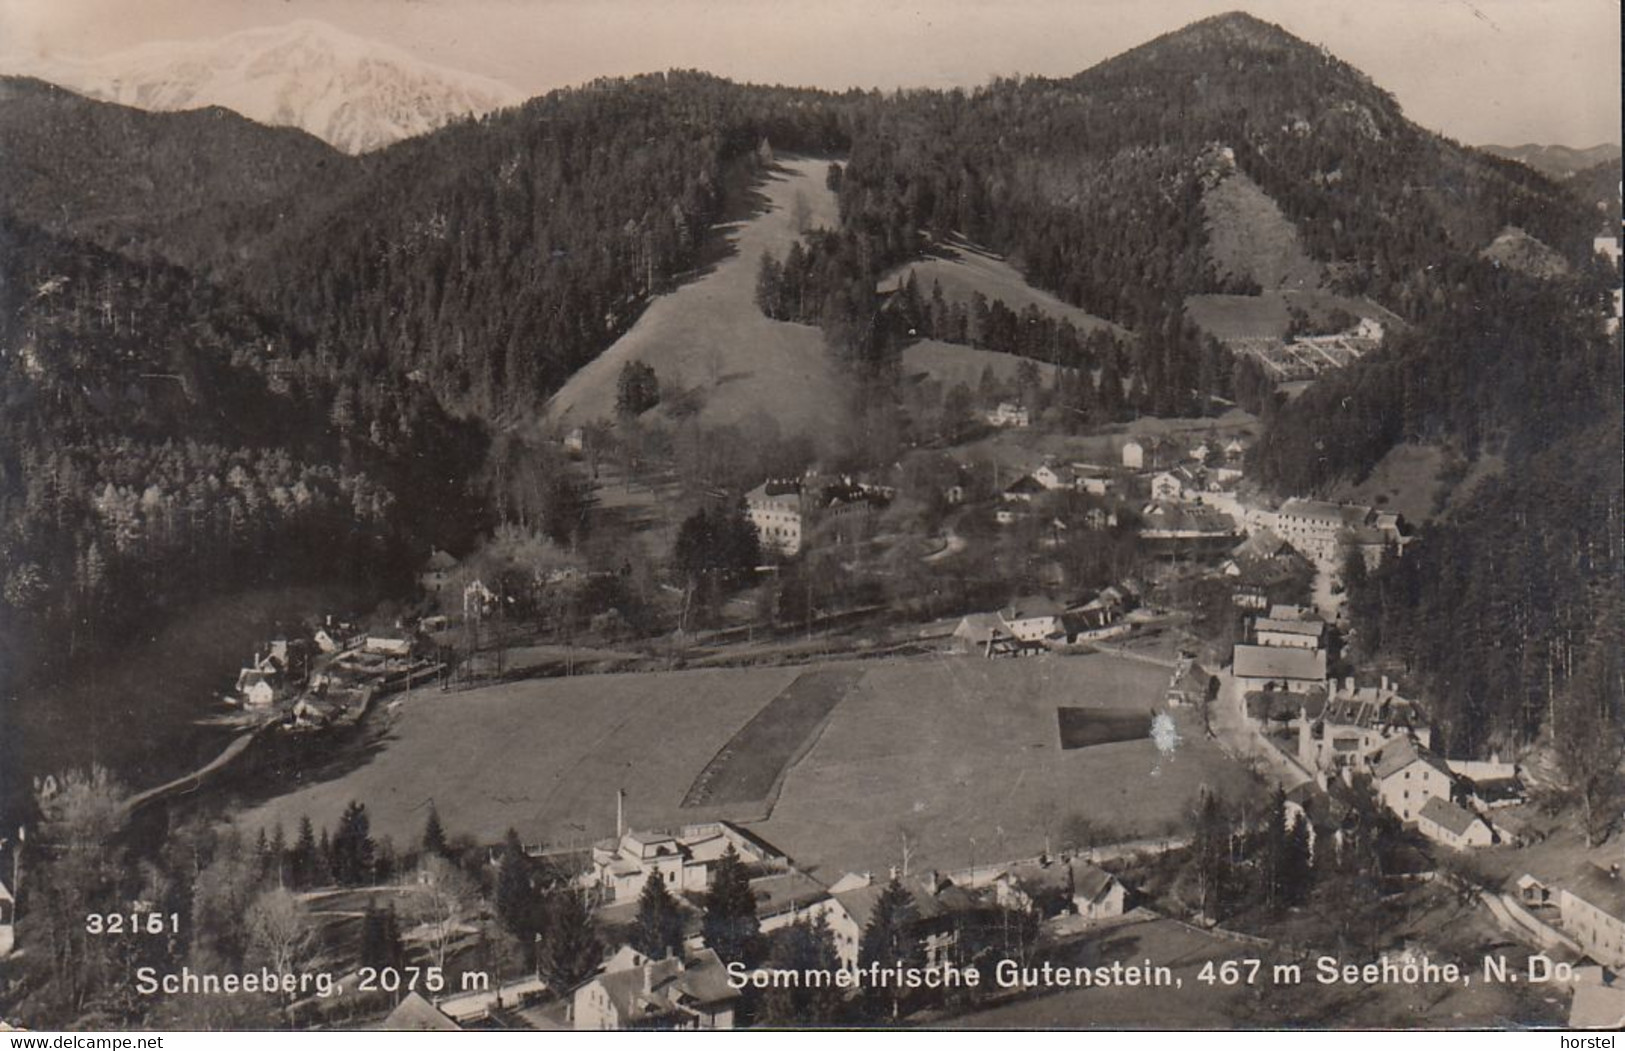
x=750, y=766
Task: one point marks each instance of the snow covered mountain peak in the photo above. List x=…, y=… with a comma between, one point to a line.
x=356, y=94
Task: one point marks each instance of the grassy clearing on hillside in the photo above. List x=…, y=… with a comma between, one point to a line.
x=963, y=270
x=1268, y=316
x=953, y=363
x=1249, y=237
x=1406, y=480
x=709, y=336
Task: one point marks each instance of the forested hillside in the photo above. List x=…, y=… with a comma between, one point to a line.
x=349, y=330
x=159, y=439
x=193, y=188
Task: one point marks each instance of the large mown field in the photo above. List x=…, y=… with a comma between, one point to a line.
x=942, y=750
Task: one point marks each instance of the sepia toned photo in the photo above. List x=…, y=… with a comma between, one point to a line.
x=543, y=515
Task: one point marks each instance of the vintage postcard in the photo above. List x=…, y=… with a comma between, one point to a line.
x=704, y=514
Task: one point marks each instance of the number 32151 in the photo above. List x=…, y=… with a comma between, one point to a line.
x=132, y=923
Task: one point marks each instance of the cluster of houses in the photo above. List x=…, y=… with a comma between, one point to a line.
x=786, y=511
x=692, y=991
x=1036, y=624
x=316, y=680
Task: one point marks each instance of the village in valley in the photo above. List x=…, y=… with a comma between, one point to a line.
x=1230, y=605
x=860, y=636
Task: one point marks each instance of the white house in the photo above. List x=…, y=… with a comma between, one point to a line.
x=684, y=861
x=1407, y=776
x=1009, y=414
x=1455, y=827
x=1592, y=906
x=691, y=993
x=1258, y=668
x=1032, y=618
x=1166, y=486
x=1055, y=476
x=1133, y=455
x=1297, y=634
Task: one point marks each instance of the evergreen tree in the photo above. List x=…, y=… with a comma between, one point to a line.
x=637, y=390
x=804, y=947
x=1298, y=874
x=353, y=849
x=515, y=900
x=731, y=927
x=1275, y=866
x=658, y=932
x=1210, y=855
x=434, y=835
x=568, y=950
x=380, y=937
x=303, y=862
x=890, y=940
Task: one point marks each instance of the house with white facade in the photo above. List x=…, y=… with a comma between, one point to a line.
x=1452, y=825
x=1406, y=776
x=674, y=993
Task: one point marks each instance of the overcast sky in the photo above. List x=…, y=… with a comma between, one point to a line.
x=1481, y=71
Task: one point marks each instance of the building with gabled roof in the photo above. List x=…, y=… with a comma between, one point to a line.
x=938, y=904
x=1407, y=775
x=1032, y=618
x=1592, y=904
x=414, y=1014
x=684, y=860
x=1355, y=723
x=1295, y=634
x=1264, y=668
x=673, y=993
x=1454, y=826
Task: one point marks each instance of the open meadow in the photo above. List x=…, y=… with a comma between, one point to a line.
x=943, y=749
x=709, y=336
x=963, y=270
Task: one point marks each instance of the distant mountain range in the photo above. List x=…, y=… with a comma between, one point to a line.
x=356, y=94
x=1560, y=162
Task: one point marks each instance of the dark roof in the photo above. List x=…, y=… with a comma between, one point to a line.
x=1448, y=815
x=1290, y=627
x=1090, y=882
x=1025, y=484
x=1279, y=662
x=1597, y=887
x=1031, y=606
x=1402, y=753
x=785, y=891
x=417, y=1015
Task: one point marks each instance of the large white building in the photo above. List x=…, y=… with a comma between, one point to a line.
x=784, y=512
x=684, y=860
x=1323, y=532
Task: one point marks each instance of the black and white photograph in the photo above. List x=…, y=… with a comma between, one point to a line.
x=1038, y=515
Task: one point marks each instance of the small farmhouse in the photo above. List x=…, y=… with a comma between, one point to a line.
x=1455, y=827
